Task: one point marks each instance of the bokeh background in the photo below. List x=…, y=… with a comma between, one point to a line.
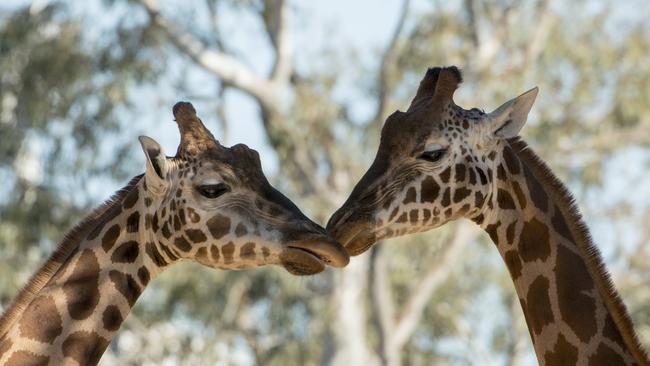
x=308, y=84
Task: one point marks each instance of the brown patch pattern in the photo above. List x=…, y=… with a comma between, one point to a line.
x=491, y=229
x=194, y=217
x=560, y=226
x=411, y=196
x=126, y=253
x=505, y=200
x=445, y=175
x=577, y=309
x=228, y=250
x=214, y=251
x=110, y=236
x=112, y=318
x=513, y=263
x=126, y=285
x=534, y=241
x=154, y=254
x=219, y=226
x=512, y=162
x=521, y=198
x=510, y=232
x=84, y=347
x=605, y=356
x=539, y=304
x=182, y=244
x=460, y=173
x=130, y=199
x=109, y=215
x=241, y=230
x=460, y=194
x=82, y=287
x=536, y=191
x=143, y=275
x=563, y=354
x=247, y=251
x=610, y=330
x=41, y=321
x=202, y=255
x=133, y=222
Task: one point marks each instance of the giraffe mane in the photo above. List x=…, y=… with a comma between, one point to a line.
x=64, y=250
x=580, y=232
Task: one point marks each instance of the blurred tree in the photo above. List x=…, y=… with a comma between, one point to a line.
x=58, y=99
x=64, y=90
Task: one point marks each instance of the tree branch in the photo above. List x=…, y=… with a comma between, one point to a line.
x=412, y=312
x=540, y=34
x=487, y=46
x=381, y=303
x=471, y=19
x=387, y=62
x=276, y=18
x=214, y=23
x=229, y=69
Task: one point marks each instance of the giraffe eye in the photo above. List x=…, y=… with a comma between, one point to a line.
x=434, y=155
x=213, y=190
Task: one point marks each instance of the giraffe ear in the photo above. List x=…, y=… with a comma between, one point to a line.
x=507, y=120
x=156, y=162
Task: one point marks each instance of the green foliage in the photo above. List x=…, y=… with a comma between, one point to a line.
x=65, y=91
x=60, y=95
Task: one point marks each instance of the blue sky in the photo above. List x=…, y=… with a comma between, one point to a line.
x=364, y=26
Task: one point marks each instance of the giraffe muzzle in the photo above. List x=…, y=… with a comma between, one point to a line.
x=311, y=255
x=325, y=248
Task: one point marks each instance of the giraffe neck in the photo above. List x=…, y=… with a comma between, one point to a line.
x=573, y=312
x=84, y=299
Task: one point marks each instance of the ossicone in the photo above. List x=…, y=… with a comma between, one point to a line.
x=437, y=86
x=195, y=137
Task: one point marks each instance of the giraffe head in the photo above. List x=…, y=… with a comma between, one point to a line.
x=213, y=204
x=434, y=164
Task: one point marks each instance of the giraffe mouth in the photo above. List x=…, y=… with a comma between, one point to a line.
x=325, y=249
x=309, y=257
x=320, y=257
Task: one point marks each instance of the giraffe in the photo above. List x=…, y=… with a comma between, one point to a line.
x=438, y=162
x=209, y=203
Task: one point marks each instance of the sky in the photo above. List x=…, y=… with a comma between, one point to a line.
x=364, y=25
x=317, y=25
x=361, y=25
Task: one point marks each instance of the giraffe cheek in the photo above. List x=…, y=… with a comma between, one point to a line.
x=219, y=226
x=247, y=251
x=228, y=252
x=429, y=190
x=196, y=235
x=202, y=257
